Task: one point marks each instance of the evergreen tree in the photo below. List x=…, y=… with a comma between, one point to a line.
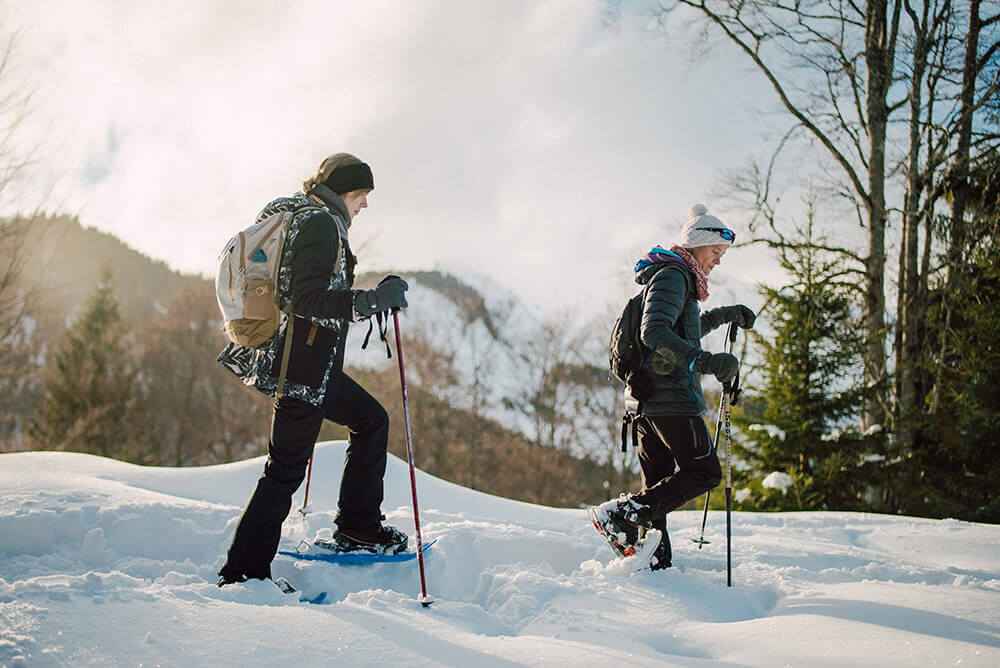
x=88, y=399
x=812, y=393
x=952, y=471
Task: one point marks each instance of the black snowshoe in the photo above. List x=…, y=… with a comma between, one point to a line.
x=621, y=523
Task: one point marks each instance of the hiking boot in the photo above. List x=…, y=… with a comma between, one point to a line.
x=379, y=538
x=662, y=556
x=623, y=518
x=228, y=577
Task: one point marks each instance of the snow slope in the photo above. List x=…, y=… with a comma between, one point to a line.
x=107, y=563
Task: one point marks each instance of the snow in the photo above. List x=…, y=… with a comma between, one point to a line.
x=774, y=432
x=778, y=480
x=108, y=563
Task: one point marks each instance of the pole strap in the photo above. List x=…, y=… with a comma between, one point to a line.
x=383, y=330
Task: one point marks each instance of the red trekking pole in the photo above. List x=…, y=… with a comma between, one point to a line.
x=425, y=600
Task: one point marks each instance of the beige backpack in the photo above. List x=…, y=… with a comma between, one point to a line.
x=246, y=286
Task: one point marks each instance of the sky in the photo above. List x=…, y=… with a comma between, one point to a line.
x=107, y=563
x=538, y=142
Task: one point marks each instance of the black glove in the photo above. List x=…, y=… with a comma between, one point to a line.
x=389, y=295
x=742, y=315
x=723, y=365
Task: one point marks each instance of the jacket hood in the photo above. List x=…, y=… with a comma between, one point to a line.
x=653, y=261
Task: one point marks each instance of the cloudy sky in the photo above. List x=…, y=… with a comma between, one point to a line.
x=534, y=142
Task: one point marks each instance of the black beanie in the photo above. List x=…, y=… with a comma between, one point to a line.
x=347, y=178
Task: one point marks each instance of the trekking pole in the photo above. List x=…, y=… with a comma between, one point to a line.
x=730, y=394
x=708, y=495
x=425, y=600
x=305, y=500
x=700, y=540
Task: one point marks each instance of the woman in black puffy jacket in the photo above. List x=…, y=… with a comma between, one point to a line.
x=676, y=454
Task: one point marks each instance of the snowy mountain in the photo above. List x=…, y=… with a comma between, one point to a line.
x=496, y=350
x=108, y=563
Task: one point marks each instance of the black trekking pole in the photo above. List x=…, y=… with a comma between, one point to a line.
x=730, y=395
x=700, y=540
x=425, y=600
x=730, y=340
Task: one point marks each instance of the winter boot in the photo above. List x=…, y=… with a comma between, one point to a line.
x=228, y=580
x=229, y=575
x=379, y=538
x=620, y=521
x=662, y=555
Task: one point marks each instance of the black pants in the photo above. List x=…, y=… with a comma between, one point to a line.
x=666, y=443
x=294, y=430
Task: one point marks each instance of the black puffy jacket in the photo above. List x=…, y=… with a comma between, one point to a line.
x=672, y=328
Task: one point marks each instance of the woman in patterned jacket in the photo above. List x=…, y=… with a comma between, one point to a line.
x=316, y=275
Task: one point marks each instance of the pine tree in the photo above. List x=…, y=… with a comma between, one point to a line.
x=88, y=399
x=953, y=469
x=812, y=394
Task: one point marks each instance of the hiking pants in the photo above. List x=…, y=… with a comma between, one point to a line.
x=294, y=429
x=667, y=442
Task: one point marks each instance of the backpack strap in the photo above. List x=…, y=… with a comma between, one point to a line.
x=286, y=352
x=289, y=309
x=630, y=424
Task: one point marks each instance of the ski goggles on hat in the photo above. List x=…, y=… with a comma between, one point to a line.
x=723, y=232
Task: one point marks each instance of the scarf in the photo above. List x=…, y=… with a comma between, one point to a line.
x=700, y=279
x=659, y=255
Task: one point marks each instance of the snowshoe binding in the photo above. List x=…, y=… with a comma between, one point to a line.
x=379, y=539
x=621, y=523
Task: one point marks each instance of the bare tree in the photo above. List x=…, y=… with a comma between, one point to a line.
x=831, y=65
x=14, y=295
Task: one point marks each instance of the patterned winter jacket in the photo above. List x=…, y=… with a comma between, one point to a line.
x=316, y=273
x=672, y=326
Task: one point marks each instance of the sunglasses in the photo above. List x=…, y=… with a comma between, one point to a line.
x=724, y=232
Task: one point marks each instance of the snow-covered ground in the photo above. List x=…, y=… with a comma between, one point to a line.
x=107, y=563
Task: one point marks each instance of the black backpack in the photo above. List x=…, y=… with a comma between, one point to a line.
x=626, y=351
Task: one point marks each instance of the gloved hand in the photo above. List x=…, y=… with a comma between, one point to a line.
x=389, y=295
x=723, y=365
x=742, y=315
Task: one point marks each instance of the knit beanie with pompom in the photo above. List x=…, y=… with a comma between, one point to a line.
x=704, y=229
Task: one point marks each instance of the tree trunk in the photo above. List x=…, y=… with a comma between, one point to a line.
x=911, y=307
x=958, y=184
x=879, y=53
